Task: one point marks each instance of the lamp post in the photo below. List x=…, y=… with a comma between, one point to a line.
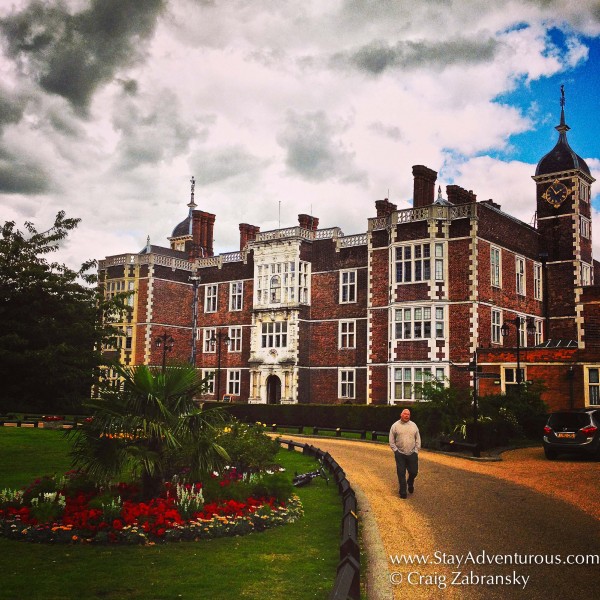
x=530, y=328
x=166, y=342
x=216, y=339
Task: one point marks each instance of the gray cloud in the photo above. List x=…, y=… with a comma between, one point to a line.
x=72, y=54
x=377, y=57
x=154, y=133
x=11, y=107
x=312, y=151
x=20, y=175
x=225, y=163
x=390, y=131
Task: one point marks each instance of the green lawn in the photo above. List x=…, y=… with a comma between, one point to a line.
x=293, y=562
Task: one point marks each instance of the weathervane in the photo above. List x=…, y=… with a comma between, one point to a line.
x=192, y=204
x=562, y=96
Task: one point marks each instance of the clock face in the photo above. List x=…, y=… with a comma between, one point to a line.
x=556, y=194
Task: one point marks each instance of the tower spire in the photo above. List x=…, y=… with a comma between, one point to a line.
x=562, y=128
x=191, y=203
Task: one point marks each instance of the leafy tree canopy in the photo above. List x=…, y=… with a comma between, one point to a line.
x=52, y=321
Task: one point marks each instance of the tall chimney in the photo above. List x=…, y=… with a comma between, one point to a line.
x=424, y=186
x=384, y=208
x=308, y=222
x=247, y=234
x=202, y=234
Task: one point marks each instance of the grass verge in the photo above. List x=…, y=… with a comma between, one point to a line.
x=293, y=562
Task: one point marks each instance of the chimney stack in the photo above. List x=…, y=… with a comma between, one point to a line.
x=247, y=234
x=384, y=208
x=458, y=195
x=308, y=222
x=424, y=186
x=202, y=234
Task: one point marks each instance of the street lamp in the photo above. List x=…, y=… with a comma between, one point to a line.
x=216, y=339
x=530, y=328
x=166, y=342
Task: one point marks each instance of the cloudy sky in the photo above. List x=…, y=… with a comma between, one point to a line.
x=280, y=107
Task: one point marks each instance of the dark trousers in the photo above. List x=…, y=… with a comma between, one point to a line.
x=404, y=463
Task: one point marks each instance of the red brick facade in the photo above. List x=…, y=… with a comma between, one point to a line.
x=314, y=316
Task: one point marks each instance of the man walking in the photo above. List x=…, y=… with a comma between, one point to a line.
x=405, y=441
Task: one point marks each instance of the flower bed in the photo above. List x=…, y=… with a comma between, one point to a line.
x=67, y=512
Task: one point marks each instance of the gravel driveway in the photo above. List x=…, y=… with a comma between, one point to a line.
x=521, y=489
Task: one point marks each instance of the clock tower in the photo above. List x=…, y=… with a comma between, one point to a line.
x=563, y=182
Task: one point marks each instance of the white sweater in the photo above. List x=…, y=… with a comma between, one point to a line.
x=405, y=437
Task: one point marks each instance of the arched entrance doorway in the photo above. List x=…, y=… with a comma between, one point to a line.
x=273, y=389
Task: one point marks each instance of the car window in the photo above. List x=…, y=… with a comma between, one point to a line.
x=570, y=421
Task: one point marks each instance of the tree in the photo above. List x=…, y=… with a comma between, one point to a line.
x=52, y=321
x=149, y=425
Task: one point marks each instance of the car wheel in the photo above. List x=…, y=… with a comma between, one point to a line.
x=550, y=453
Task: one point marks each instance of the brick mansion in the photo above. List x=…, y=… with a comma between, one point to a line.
x=310, y=315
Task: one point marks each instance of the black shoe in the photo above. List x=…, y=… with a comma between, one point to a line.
x=411, y=489
x=403, y=496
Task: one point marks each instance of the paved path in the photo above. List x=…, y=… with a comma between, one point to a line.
x=459, y=507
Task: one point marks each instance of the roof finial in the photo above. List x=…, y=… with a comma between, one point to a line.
x=192, y=204
x=562, y=127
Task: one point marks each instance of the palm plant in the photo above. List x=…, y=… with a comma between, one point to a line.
x=149, y=425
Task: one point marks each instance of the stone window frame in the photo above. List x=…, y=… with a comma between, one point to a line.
x=236, y=295
x=210, y=381
x=211, y=297
x=348, y=288
x=496, y=267
x=411, y=386
x=234, y=382
x=537, y=281
x=274, y=334
x=585, y=273
x=347, y=338
x=208, y=333
x=437, y=326
x=347, y=383
x=496, y=326
x=520, y=275
x=235, y=340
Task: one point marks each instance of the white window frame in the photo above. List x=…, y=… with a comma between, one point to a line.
x=347, y=384
x=509, y=377
x=539, y=332
x=537, y=281
x=234, y=382
x=235, y=339
x=348, y=286
x=584, y=192
x=211, y=297
x=496, y=267
x=347, y=334
x=409, y=381
x=415, y=261
x=210, y=384
x=496, y=326
x=413, y=321
x=585, y=227
x=274, y=334
x=586, y=274
x=520, y=275
x=593, y=386
x=207, y=334
x=236, y=295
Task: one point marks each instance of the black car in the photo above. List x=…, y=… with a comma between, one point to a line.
x=572, y=431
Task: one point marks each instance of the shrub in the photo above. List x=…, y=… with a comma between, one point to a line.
x=248, y=446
